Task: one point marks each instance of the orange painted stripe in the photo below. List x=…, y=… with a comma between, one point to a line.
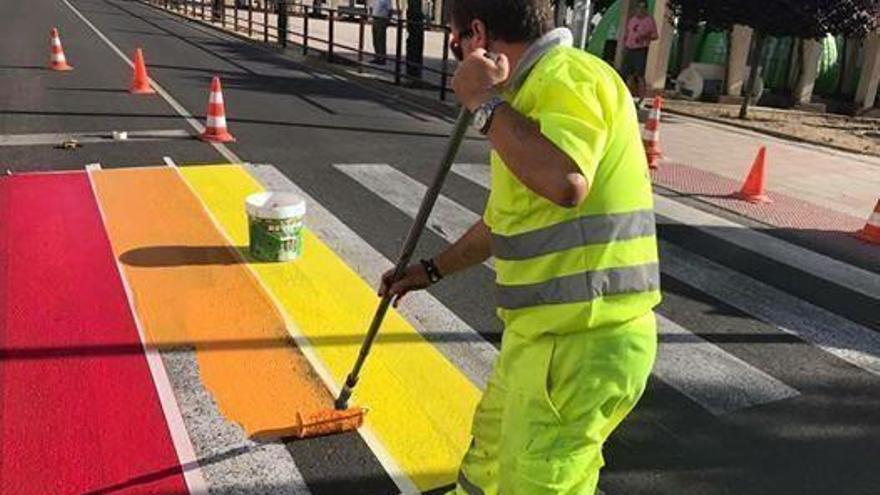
x=190, y=290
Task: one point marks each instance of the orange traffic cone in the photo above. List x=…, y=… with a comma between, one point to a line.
x=57, y=61
x=651, y=134
x=215, y=127
x=140, y=83
x=871, y=232
x=753, y=188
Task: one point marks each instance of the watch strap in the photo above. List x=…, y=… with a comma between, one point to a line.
x=488, y=108
x=431, y=269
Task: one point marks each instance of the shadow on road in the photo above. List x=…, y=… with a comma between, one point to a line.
x=168, y=256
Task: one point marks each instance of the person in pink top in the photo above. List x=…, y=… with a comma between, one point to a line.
x=640, y=32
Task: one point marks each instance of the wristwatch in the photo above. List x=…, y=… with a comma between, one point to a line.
x=484, y=113
x=434, y=275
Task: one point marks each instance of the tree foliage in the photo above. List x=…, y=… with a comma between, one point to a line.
x=801, y=18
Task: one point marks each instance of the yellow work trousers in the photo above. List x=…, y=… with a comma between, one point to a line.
x=549, y=407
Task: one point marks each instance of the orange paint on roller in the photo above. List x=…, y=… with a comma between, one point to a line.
x=317, y=424
x=190, y=289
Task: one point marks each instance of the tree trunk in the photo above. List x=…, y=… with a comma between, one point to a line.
x=754, y=71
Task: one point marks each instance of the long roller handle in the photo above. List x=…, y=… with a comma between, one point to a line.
x=409, y=247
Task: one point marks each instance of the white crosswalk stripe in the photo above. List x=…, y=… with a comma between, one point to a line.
x=718, y=381
x=834, y=334
x=449, y=219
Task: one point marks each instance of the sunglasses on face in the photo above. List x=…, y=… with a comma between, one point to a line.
x=455, y=45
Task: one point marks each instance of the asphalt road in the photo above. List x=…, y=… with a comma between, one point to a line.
x=808, y=421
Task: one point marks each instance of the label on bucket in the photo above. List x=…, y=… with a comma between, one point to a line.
x=275, y=223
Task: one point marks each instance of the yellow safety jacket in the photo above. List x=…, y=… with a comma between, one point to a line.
x=561, y=270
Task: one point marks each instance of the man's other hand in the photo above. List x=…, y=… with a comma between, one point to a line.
x=477, y=77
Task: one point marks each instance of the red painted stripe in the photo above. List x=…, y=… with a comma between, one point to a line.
x=78, y=409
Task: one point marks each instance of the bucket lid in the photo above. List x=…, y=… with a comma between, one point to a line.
x=275, y=205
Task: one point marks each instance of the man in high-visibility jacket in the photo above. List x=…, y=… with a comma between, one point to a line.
x=570, y=224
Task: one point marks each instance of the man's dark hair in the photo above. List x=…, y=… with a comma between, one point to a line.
x=512, y=21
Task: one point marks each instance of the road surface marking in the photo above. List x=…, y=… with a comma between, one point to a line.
x=480, y=175
x=73, y=375
x=195, y=480
x=421, y=405
x=233, y=158
x=329, y=227
x=190, y=290
x=90, y=137
x=449, y=219
x=398, y=476
x=168, y=161
x=720, y=382
x=819, y=265
x=394, y=471
x=716, y=380
x=834, y=334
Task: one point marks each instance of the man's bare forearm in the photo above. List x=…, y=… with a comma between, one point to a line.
x=473, y=248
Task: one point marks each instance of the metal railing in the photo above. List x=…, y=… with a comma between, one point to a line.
x=257, y=23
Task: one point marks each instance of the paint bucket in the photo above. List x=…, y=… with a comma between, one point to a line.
x=275, y=221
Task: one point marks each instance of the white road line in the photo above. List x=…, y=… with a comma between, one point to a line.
x=91, y=137
x=822, y=266
x=449, y=219
x=716, y=380
x=830, y=269
x=477, y=173
x=834, y=334
x=168, y=161
x=400, y=478
x=720, y=382
x=192, y=472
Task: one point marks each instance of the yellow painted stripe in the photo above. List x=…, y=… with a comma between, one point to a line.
x=190, y=290
x=420, y=405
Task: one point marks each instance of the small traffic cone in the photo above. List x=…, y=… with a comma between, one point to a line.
x=753, y=188
x=215, y=126
x=871, y=231
x=140, y=83
x=57, y=61
x=651, y=134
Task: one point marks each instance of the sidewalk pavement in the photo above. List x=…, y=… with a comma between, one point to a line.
x=844, y=186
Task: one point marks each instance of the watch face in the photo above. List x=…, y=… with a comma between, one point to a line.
x=480, y=119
